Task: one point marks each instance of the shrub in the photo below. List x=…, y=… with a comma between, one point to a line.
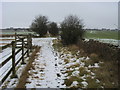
x=39, y=25
x=53, y=29
x=71, y=30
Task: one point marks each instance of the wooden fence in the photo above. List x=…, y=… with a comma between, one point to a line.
x=20, y=44
x=5, y=46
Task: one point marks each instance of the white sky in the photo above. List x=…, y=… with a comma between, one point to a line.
x=59, y=0
x=94, y=14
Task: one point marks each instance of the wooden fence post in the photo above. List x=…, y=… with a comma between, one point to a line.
x=13, y=60
x=15, y=36
x=28, y=45
x=22, y=50
x=30, y=42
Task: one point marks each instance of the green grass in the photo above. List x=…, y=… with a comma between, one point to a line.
x=88, y=34
x=18, y=32
x=102, y=34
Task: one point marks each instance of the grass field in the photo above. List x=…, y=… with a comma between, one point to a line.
x=102, y=34
x=10, y=32
x=88, y=34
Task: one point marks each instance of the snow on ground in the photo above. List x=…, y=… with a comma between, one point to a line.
x=75, y=83
x=111, y=41
x=75, y=67
x=6, y=40
x=14, y=81
x=47, y=69
x=4, y=54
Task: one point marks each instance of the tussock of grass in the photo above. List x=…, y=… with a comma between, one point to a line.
x=74, y=66
x=57, y=45
x=73, y=49
x=69, y=72
x=66, y=61
x=107, y=73
x=69, y=81
x=87, y=62
x=94, y=57
x=90, y=62
x=92, y=83
x=82, y=53
x=83, y=71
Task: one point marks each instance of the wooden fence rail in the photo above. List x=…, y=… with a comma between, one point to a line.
x=23, y=44
x=5, y=46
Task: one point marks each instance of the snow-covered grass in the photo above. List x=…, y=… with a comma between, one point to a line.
x=64, y=67
x=74, y=67
x=83, y=71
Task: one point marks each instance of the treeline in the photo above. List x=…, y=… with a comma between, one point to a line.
x=72, y=32
x=71, y=28
x=103, y=29
x=11, y=28
x=41, y=26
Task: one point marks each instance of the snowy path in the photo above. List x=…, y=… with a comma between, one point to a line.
x=46, y=68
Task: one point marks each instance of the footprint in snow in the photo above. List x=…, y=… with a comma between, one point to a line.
x=56, y=54
x=59, y=62
x=41, y=70
x=38, y=85
x=55, y=58
x=55, y=64
x=58, y=75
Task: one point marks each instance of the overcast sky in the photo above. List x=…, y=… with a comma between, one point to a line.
x=94, y=14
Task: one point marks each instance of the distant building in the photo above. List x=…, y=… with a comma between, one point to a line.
x=11, y=28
